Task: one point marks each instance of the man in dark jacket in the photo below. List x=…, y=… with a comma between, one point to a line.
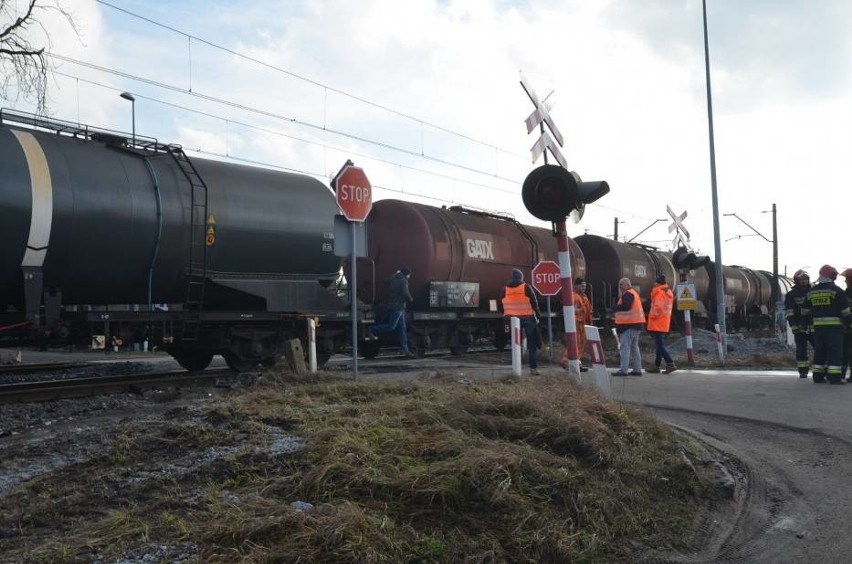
x=799, y=324
x=519, y=301
x=398, y=298
x=828, y=305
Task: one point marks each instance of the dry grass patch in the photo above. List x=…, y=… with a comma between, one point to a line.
x=423, y=471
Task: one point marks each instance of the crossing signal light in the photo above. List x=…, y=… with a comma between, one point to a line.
x=551, y=193
x=684, y=259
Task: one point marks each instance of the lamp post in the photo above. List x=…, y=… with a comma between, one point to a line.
x=129, y=96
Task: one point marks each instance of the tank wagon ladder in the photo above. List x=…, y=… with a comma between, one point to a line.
x=197, y=274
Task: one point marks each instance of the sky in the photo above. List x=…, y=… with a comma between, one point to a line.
x=425, y=96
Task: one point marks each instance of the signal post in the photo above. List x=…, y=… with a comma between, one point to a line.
x=550, y=193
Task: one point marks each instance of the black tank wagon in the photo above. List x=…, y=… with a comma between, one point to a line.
x=96, y=223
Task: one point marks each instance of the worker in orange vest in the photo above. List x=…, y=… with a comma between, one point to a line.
x=659, y=322
x=629, y=322
x=582, y=317
x=519, y=301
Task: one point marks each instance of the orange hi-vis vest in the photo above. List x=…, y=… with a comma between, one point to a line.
x=660, y=316
x=582, y=309
x=634, y=315
x=516, y=303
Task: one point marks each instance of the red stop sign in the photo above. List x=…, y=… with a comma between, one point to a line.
x=546, y=278
x=354, y=193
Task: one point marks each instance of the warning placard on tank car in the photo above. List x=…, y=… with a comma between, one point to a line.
x=453, y=294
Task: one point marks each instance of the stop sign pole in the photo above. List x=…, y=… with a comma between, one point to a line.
x=546, y=281
x=354, y=195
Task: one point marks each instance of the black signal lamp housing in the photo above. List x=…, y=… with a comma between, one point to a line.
x=550, y=192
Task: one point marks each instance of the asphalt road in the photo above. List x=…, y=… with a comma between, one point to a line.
x=785, y=441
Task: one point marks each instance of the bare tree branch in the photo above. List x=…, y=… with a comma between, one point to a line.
x=24, y=65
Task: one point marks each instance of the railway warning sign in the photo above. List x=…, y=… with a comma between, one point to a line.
x=546, y=278
x=686, y=297
x=354, y=192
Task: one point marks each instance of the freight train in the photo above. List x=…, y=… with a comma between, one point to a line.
x=107, y=236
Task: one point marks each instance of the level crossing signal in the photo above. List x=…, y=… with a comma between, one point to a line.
x=684, y=259
x=550, y=192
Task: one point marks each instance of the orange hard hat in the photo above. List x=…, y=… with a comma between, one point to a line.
x=828, y=271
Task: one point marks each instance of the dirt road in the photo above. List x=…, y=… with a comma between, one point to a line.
x=785, y=443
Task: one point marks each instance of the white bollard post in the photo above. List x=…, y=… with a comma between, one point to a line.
x=596, y=352
x=312, y=345
x=515, y=324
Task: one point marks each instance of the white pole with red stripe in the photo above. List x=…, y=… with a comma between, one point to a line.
x=312, y=345
x=517, y=340
x=596, y=352
x=561, y=231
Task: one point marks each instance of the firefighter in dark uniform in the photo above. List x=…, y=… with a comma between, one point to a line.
x=828, y=306
x=847, y=335
x=799, y=324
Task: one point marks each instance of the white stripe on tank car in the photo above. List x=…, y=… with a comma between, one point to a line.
x=42, y=196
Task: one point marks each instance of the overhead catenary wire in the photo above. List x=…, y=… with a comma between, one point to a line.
x=294, y=138
x=323, y=128
x=310, y=81
x=237, y=105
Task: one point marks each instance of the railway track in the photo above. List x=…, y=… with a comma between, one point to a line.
x=50, y=390
x=32, y=368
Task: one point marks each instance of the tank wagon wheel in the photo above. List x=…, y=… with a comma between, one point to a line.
x=238, y=364
x=194, y=361
x=463, y=341
x=270, y=361
x=419, y=345
x=322, y=359
x=501, y=339
x=369, y=349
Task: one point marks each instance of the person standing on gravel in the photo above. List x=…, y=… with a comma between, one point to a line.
x=659, y=323
x=829, y=306
x=800, y=325
x=582, y=317
x=398, y=298
x=519, y=301
x=629, y=321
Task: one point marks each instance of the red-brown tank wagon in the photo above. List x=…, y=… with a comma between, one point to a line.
x=460, y=260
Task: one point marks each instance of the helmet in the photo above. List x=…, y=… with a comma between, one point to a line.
x=847, y=273
x=828, y=271
x=801, y=275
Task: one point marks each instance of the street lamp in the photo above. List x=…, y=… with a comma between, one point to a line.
x=129, y=96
